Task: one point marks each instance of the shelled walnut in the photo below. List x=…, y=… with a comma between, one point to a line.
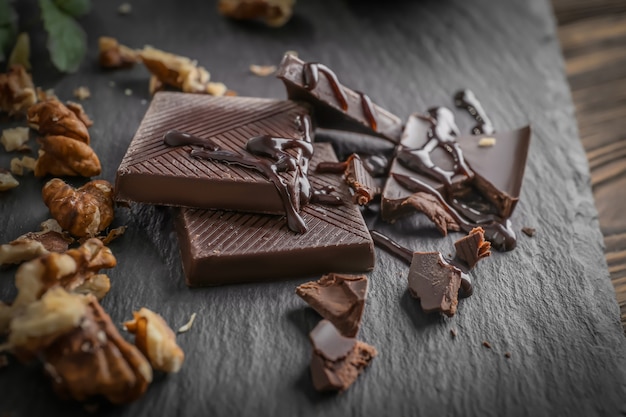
x=7, y=181
x=79, y=111
x=156, y=340
x=34, y=244
x=273, y=12
x=17, y=91
x=82, y=351
x=14, y=139
x=22, y=166
x=74, y=270
x=112, y=54
x=179, y=72
x=83, y=211
x=60, y=155
x=51, y=117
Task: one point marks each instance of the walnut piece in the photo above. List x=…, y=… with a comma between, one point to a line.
x=83, y=211
x=61, y=156
x=114, y=55
x=156, y=340
x=82, y=93
x=82, y=351
x=34, y=244
x=14, y=139
x=98, y=285
x=51, y=117
x=7, y=181
x=262, y=70
x=17, y=91
x=23, y=166
x=179, y=72
x=274, y=13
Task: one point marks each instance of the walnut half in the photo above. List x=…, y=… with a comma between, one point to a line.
x=155, y=339
x=82, y=351
x=84, y=211
x=17, y=91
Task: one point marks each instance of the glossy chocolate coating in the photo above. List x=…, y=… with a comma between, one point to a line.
x=153, y=172
x=336, y=106
x=221, y=247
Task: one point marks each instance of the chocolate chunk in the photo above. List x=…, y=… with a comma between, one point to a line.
x=473, y=247
x=360, y=180
x=435, y=282
x=529, y=231
x=338, y=298
x=337, y=361
x=336, y=106
x=222, y=247
x=153, y=172
x=466, y=185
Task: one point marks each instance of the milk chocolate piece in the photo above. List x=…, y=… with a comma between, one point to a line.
x=473, y=247
x=458, y=184
x=338, y=298
x=337, y=361
x=435, y=282
x=220, y=247
x=336, y=106
x=153, y=172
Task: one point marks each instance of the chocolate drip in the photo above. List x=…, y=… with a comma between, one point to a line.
x=311, y=75
x=269, y=147
x=178, y=138
x=442, y=134
x=323, y=196
x=467, y=100
x=500, y=235
x=327, y=167
x=406, y=255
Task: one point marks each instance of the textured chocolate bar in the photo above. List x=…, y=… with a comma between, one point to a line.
x=221, y=247
x=336, y=106
x=152, y=172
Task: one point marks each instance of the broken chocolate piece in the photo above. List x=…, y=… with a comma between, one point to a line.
x=153, y=172
x=338, y=298
x=466, y=99
x=483, y=191
x=473, y=247
x=407, y=256
x=224, y=247
x=337, y=361
x=336, y=107
x=435, y=282
x=361, y=182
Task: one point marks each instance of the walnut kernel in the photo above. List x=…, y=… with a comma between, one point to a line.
x=114, y=55
x=23, y=166
x=14, y=139
x=34, y=244
x=82, y=93
x=51, y=117
x=17, y=91
x=83, y=211
x=79, y=111
x=156, y=340
x=7, y=181
x=274, y=13
x=60, y=155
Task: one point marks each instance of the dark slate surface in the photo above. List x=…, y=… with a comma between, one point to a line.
x=550, y=302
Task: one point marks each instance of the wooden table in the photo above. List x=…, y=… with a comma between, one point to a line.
x=549, y=302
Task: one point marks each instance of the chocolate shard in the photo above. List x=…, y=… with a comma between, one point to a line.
x=360, y=180
x=434, y=282
x=155, y=173
x=336, y=106
x=338, y=298
x=224, y=247
x=473, y=247
x=337, y=360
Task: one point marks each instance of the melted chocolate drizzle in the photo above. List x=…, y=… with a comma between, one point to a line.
x=406, y=255
x=273, y=160
x=311, y=76
x=466, y=99
x=501, y=236
x=442, y=134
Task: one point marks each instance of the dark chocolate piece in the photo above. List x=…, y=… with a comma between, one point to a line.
x=356, y=176
x=471, y=186
x=338, y=298
x=435, y=282
x=222, y=247
x=337, y=361
x=529, y=231
x=466, y=99
x=153, y=172
x=473, y=247
x=406, y=255
x=336, y=106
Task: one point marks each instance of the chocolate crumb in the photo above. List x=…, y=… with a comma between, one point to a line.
x=486, y=344
x=453, y=332
x=507, y=355
x=529, y=231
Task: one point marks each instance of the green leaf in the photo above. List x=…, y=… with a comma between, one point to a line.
x=21, y=51
x=67, y=41
x=75, y=8
x=8, y=27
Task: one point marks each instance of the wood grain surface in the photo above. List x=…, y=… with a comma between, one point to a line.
x=549, y=303
x=593, y=39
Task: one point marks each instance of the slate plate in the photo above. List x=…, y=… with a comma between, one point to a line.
x=549, y=303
